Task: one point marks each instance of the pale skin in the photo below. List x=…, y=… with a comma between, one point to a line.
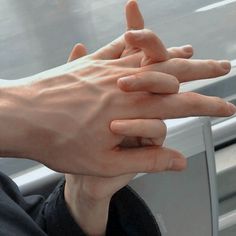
x=88, y=197
x=64, y=112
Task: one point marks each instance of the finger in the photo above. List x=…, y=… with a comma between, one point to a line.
x=149, y=128
x=134, y=18
x=147, y=159
x=149, y=43
x=117, y=48
x=154, y=82
x=111, y=51
x=179, y=105
x=134, y=21
x=134, y=57
x=189, y=70
x=78, y=51
x=180, y=52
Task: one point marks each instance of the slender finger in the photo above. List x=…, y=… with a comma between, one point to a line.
x=146, y=159
x=149, y=43
x=179, y=105
x=185, y=51
x=111, y=51
x=78, y=51
x=189, y=70
x=117, y=48
x=134, y=18
x=149, y=128
x=154, y=82
x=134, y=57
x=134, y=21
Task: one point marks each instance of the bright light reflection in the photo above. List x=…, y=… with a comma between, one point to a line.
x=233, y=63
x=215, y=5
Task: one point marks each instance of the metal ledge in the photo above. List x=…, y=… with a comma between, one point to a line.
x=227, y=220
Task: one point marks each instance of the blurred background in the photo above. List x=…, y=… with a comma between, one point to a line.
x=39, y=35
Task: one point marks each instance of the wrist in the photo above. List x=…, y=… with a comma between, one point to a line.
x=90, y=213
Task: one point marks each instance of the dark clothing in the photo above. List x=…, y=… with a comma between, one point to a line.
x=35, y=216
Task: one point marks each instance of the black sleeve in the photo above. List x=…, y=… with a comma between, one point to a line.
x=18, y=215
x=128, y=215
x=57, y=216
x=33, y=216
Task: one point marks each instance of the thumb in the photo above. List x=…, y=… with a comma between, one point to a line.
x=148, y=160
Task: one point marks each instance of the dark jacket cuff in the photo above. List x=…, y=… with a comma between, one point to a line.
x=128, y=215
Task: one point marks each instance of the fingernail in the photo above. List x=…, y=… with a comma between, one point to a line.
x=225, y=65
x=232, y=108
x=179, y=164
x=188, y=48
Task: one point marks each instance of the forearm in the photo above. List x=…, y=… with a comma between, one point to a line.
x=14, y=128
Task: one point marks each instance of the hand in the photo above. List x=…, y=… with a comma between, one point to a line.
x=61, y=116
x=88, y=197
x=145, y=45
x=151, y=49
x=66, y=111
x=98, y=188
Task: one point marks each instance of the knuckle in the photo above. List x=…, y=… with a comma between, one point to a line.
x=191, y=96
x=179, y=66
x=213, y=67
x=113, y=44
x=148, y=31
x=146, y=80
x=211, y=63
x=221, y=105
x=157, y=163
x=177, y=61
x=184, y=64
x=140, y=98
x=154, y=161
x=140, y=75
x=152, y=164
x=193, y=102
x=150, y=35
x=176, y=52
